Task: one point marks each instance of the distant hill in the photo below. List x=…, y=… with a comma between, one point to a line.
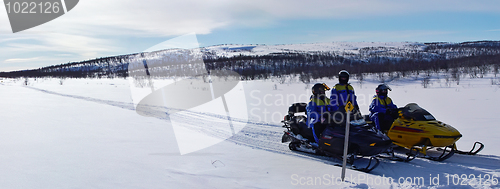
x=308, y=60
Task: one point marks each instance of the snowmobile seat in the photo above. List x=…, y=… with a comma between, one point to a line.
x=299, y=126
x=297, y=108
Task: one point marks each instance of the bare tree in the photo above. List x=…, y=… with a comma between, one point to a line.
x=426, y=82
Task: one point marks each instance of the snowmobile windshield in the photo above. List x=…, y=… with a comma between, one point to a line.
x=417, y=113
x=357, y=119
x=358, y=122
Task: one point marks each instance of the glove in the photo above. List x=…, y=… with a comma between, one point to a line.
x=389, y=111
x=393, y=113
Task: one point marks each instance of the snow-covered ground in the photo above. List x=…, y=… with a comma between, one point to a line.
x=341, y=48
x=86, y=133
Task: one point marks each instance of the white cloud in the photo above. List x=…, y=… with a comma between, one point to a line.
x=59, y=42
x=94, y=27
x=171, y=18
x=17, y=60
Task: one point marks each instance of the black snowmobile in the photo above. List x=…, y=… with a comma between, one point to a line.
x=364, y=140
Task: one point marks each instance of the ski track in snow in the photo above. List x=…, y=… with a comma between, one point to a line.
x=257, y=135
x=124, y=105
x=267, y=137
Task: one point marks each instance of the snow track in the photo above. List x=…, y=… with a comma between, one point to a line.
x=124, y=105
x=267, y=137
x=256, y=135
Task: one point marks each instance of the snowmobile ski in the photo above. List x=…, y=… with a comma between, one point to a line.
x=423, y=152
x=410, y=155
x=473, y=151
x=445, y=155
x=373, y=162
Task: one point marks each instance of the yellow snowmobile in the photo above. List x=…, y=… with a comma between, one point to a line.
x=416, y=129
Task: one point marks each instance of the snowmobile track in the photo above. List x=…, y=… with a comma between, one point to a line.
x=256, y=135
x=267, y=137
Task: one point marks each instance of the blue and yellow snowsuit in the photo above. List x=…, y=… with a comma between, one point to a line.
x=317, y=106
x=341, y=94
x=378, y=109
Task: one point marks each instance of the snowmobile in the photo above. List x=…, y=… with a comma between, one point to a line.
x=417, y=130
x=364, y=140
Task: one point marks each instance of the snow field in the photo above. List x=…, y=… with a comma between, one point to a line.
x=86, y=134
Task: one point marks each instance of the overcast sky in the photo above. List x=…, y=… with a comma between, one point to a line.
x=112, y=27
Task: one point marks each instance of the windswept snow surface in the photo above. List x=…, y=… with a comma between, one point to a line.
x=85, y=133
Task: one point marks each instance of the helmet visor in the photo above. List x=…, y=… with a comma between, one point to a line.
x=381, y=91
x=321, y=90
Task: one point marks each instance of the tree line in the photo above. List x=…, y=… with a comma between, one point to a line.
x=478, y=57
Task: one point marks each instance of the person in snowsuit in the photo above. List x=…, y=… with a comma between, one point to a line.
x=342, y=93
x=318, y=110
x=382, y=109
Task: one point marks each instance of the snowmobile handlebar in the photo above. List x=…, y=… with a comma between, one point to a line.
x=393, y=112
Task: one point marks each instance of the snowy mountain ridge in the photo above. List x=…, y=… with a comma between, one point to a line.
x=229, y=50
x=314, y=56
x=360, y=50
